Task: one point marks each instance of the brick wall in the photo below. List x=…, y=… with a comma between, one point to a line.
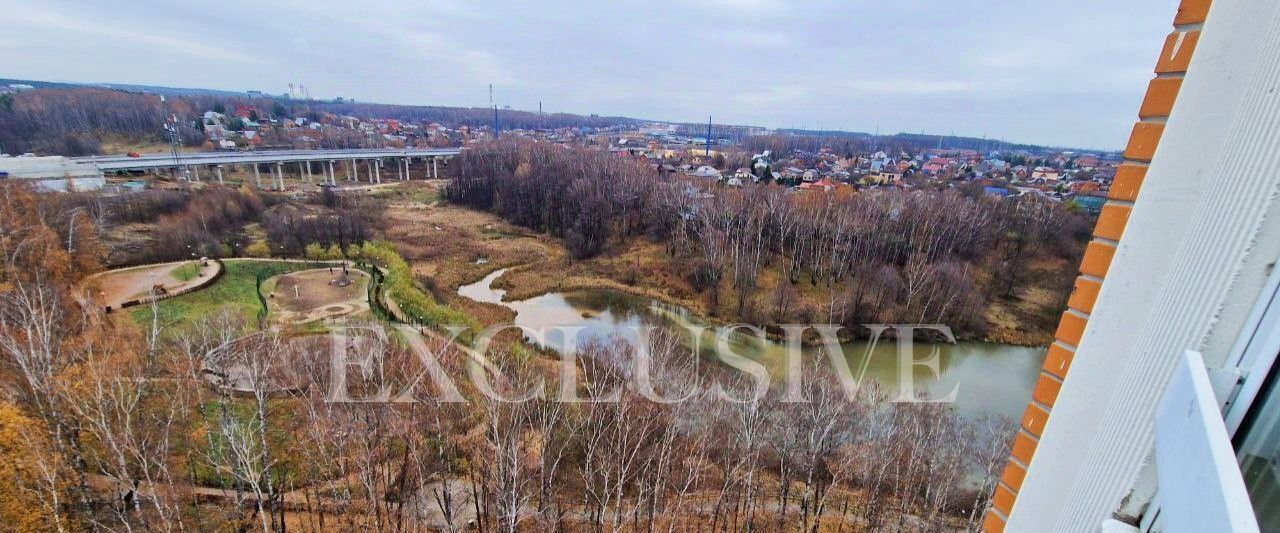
x=1156, y=106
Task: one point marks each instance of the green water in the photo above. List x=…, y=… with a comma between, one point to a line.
x=987, y=378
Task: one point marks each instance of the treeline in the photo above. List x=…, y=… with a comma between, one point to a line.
x=183, y=224
x=783, y=146
x=142, y=206
x=786, y=142
x=73, y=121
x=588, y=197
x=340, y=219
x=467, y=116
x=923, y=256
x=205, y=228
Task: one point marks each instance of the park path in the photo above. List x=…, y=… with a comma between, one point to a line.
x=303, y=499
x=134, y=283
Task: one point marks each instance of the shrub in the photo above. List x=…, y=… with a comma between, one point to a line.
x=315, y=251
x=398, y=285
x=258, y=248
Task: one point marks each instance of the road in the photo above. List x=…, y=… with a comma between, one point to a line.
x=113, y=163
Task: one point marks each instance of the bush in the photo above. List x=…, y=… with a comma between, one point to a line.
x=258, y=249
x=398, y=285
x=315, y=251
x=334, y=252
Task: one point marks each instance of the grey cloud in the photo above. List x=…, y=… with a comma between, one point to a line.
x=1046, y=71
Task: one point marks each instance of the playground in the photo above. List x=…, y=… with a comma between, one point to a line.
x=314, y=295
x=120, y=286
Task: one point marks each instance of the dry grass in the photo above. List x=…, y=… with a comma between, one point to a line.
x=450, y=246
x=117, y=145
x=453, y=246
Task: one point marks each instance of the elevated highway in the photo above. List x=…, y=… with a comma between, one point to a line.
x=190, y=164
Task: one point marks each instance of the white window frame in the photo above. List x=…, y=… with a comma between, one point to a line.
x=1244, y=372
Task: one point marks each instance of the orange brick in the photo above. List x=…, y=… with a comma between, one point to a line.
x=993, y=523
x=1002, y=499
x=1143, y=141
x=1161, y=93
x=1033, y=420
x=1127, y=182
x=1111, y=221
x=1176, y=54
x=1013, y=475
x=1084, y=295
x=1023, y=447
x=1058, y=360
x=1071, y=328
x=1046, y=391
x=1192, y=12
x=1097, y=259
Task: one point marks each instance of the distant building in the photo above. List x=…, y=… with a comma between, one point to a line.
x=1045, y=173
x=996, y=191
x=1090, y=204
x=705, y=171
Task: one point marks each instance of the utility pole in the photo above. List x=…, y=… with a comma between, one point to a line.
x=171, y=130
x=495, y=113
x=708, y=154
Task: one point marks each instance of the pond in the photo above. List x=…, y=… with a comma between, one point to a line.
x=988, y=378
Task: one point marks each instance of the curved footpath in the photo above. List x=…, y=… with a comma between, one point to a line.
x=134, y=284
x=299, y=499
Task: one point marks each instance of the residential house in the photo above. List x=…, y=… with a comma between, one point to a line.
x=1046, y=174
x=706, y=171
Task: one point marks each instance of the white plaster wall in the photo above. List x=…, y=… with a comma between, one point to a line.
x=1196, y=245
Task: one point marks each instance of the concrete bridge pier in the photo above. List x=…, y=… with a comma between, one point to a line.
x=306, y=171
x=332, y=180
x=280, y=175
x=195, y=171
x=355, y=169
x=435, y=175
x=400, y=168
x=257, y=178
x=218, y=170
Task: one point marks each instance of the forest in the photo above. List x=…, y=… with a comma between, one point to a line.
x=106, y=423
x=874, y=256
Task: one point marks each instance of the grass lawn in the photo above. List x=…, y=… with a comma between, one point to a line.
x=187, y=272
x=411, y=191
x=235, y=290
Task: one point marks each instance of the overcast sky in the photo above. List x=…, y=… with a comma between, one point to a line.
x=1063, y=72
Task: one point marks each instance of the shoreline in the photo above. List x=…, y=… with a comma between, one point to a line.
x=572, y=284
